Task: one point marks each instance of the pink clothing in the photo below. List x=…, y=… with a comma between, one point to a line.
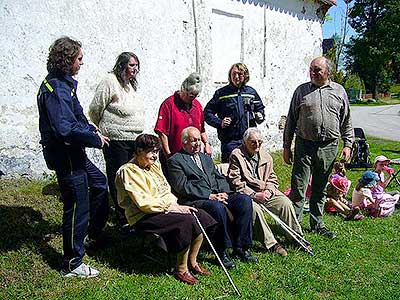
x=378, y=190
x=337, y=175
x=288, y=191
x=384, y=203
x=361, y=198
x=174, y=116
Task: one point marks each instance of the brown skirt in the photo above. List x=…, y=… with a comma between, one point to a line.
x=177, y=230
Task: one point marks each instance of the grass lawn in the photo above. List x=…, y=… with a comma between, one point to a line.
x=381, y=101
x=363, y=262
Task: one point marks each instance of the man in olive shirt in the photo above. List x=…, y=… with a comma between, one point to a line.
x=319, y=114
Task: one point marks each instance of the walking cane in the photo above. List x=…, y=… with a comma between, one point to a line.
x=216, y=254
x=295, y=235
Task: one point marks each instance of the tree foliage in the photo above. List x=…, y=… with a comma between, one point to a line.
x=373, y=53
x=337, y=74
x=353, y=82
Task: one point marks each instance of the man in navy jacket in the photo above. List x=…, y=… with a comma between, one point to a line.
x=65, y=132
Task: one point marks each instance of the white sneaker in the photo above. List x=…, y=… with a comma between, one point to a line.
x=83, y=271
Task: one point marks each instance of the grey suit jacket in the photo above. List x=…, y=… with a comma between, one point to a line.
x=189, y=182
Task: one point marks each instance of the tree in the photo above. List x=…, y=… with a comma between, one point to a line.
x=337, y=74
x=353, y=82
x=341, y=36
x=374, y=52
x=341, y=43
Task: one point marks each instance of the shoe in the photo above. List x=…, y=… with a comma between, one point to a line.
x=92, y=245
x=89, y=242
x=277, y=248
x=198, y=269
x=306, y=206
x=126, y=229
x=83, y=271
x=95, y=244
x=226, y=260
x=244, y=255
x=186, y=277
x=358, y=217
x=325, y=232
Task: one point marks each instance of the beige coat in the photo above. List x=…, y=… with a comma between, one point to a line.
x=241, y=178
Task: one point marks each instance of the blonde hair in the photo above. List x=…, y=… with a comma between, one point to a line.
x=241, y=67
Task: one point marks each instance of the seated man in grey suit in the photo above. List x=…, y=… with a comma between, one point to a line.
x=196, y=181
x=251, y=172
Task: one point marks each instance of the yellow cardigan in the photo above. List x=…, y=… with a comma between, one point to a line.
x=142, y=191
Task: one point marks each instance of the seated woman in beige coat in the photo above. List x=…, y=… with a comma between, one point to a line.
x=251, y=172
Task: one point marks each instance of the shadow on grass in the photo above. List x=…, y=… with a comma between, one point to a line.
x=125, y=252
x=51, y=189
x=22, y=225
x=132, y=253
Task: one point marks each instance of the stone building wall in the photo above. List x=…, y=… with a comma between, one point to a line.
x=172, y=38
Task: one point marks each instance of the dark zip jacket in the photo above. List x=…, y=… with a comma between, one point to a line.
x=233, y=102
x=64, y=129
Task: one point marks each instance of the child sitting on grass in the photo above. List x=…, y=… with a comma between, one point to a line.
x=336, y=191
x=384, y=202
x=362, y=195
x=339, y=171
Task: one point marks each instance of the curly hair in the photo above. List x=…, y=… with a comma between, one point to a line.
x=147, y=142
x=62, y=55
x=120, y=67
x=242, y=68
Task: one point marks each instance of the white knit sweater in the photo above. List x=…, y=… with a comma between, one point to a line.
x=117, y=111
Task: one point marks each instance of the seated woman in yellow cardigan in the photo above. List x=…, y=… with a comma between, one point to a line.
x=149, y=204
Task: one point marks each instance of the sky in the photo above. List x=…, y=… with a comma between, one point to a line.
x=337, y=13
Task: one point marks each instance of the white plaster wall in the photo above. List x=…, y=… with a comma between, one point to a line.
x=161, y=33
x=293, y=38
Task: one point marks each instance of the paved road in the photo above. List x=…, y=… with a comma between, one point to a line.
x=379, y=121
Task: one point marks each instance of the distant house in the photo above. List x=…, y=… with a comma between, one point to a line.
x=275, y=38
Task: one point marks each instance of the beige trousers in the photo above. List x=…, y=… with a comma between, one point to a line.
x=282, y=207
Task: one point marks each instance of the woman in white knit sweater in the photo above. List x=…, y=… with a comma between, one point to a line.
x=118, y=111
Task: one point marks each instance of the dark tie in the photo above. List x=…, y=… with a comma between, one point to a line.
x=197, y=160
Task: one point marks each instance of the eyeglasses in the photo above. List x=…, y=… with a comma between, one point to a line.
x=315, y=70
x=256, y=142
x=192, y=95
x=194, y=141
x=240, y=74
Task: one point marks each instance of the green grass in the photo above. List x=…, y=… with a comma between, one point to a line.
x=362, y=263
x=379, y=102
